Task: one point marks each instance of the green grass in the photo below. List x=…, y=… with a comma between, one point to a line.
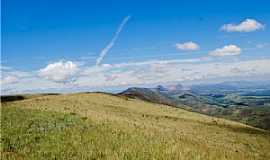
x=100, y=126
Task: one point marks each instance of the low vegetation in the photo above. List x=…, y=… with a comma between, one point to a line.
x=101, y=126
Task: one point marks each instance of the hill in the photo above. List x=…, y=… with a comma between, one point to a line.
x=146, y=94
x=225, y=100
x=102, y=126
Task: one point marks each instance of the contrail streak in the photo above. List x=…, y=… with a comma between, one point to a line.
x=105, y=50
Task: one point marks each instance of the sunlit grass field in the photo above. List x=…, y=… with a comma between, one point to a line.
x=102, y=126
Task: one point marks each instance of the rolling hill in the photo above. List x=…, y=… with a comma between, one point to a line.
x=103, y=126
x=226, y=100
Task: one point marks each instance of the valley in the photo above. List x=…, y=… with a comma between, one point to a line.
x=240, y=101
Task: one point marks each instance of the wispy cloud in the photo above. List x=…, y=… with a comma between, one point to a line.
x=187, y=46
x=262, y=45
x=153, y=72
x=105, y=50
x=133, y=73
x=149, y=62
x=10, y=79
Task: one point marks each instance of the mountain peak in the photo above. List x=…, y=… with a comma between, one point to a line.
x=161, y=88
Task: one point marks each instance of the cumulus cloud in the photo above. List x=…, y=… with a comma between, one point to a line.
x=111, y=43
x=60, y=71
x=228, y=50
x=188, y=46
x=247, y=25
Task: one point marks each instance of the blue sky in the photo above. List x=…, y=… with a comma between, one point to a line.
x=43, y=39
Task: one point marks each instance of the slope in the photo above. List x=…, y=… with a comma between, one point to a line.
x=101, y=126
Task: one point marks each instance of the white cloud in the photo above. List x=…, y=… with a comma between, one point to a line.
x=228, y=50
x=155, y=72
x=4, y=67
x=134, y=73
x=247, y=25
x=10, y=79
x=188, y=46
x=262, y=45
x=60, y=71
x=149, y=62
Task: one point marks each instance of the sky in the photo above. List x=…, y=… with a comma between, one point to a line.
x=57, y=45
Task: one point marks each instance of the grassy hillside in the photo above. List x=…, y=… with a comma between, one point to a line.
x=101, y=126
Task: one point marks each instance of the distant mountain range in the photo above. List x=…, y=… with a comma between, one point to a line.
x=247, y=102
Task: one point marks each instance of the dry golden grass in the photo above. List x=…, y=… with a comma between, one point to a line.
x=121, y=128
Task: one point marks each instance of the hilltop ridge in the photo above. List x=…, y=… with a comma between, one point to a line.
x=104, y=126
